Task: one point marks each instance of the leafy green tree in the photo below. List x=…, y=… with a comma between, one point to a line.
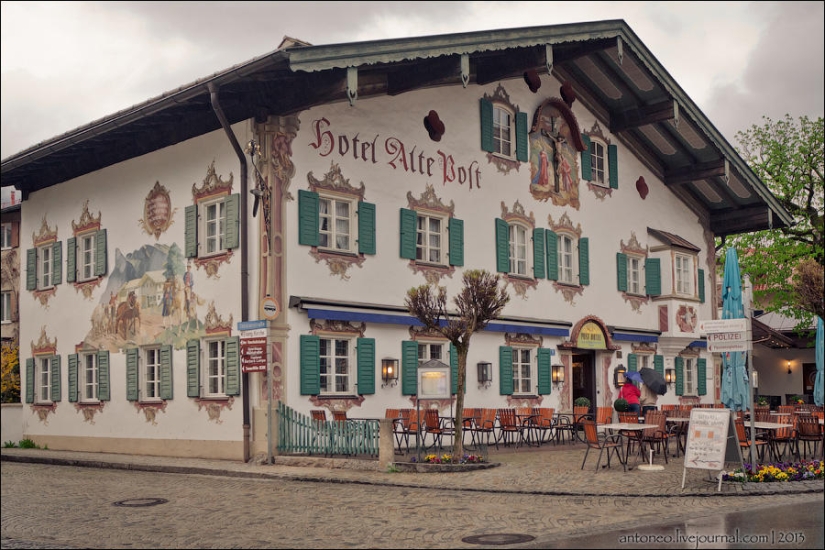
x=479, y=302
x=788, y=156
x=175, y=264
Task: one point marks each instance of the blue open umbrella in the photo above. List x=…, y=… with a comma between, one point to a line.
x=820, y=359
x=735, y=391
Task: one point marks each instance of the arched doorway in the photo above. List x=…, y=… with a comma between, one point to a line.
x=584, y=375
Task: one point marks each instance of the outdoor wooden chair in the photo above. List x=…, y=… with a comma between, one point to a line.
x=395, y=416
x=604, y=415
x=469, y=418
x=632, y=437
x=783, y=438
x=656, y=437
x=545, y=423
x=745, y=442
x=594, y=440
x=808, y=431
x=785, y=409
x=509, y=427
x=433, y=427
x=484, y=425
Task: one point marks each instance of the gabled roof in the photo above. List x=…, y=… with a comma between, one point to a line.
x=672, y=239
x=612, y=73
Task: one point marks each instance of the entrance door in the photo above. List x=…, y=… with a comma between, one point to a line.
x=584, y=378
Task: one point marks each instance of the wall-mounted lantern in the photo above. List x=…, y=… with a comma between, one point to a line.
x=558, y=375
x=670, y=376
x=618, y=376
x=389, y=372
x=485, y=374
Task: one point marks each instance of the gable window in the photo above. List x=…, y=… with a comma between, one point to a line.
x=89, y=376
x=212, y=223
x=43, y=379
x=86, y=249
x=429, y=239
x=518, y=250
x=566, y=250
x=634, y=275
x=597, y=164
x=430, y=235
x=502, y=131
x=600, y=160
x=212, y=367
x=568, y=254
x=337, y=365
x=5, y=236
x=43, y=266
x=334, y=217
x=149, y=374
x=5, y=306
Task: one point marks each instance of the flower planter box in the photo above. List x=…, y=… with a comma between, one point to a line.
x=427, y=467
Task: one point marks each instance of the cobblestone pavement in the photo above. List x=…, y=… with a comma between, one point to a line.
x=545, y=470
x=55, y=505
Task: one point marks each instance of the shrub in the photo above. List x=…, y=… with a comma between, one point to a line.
x=620, y=404
x=582, y=402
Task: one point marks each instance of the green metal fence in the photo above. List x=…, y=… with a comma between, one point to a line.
x=299, y=434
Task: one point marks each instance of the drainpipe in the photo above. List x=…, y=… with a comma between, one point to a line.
x=213, y=93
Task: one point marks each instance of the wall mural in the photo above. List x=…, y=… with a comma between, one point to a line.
x=150, y=298
x=555, y=142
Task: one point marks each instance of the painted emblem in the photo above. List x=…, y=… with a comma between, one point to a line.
x=157, y=211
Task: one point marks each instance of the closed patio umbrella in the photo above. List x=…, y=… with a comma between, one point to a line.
x=820, y=363
x=735, y=390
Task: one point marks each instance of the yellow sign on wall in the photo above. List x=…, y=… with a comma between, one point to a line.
x=591, y=337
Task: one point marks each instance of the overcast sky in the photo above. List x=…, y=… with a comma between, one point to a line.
x=65, y=64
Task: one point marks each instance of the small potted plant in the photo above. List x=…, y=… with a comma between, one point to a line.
x=762, y=401
x=620, y=405
x=582, y=402
x=797, y=400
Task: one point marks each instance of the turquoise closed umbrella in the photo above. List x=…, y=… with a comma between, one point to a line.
x=820, y=363
x=735, y=393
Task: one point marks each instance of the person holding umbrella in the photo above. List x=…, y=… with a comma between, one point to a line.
x=647, y=399
x=630, y=392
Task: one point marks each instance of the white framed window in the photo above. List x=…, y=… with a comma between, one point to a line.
x=503, y=133
x=598, y=159
x=150, y=375
x=430, y=239
x=523, y=370
x=335, y=217
x=44, y=267
x=213, y=218
x=635, y=284
x=431, y=350
x=5, y=236
x=43, y=380
x=518, y=250
x=89, y=377
x=86, y=257
x=691, y=377
x=337, y=366
x=5, y=306
x=683, y=271
x=567, y=259
x=215, y=373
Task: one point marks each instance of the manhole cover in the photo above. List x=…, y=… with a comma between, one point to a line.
x=497, y=539
x=140, y=502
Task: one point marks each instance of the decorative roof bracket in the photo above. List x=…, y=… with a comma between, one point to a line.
x=548, y=58
x=620, y=47
x=352, y=84
x=675, y=113
x=465, y=69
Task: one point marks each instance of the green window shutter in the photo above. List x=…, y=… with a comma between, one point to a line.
x=103, y=388
x=621, y=271
x=505, y=370
x=101, y=257
x=659, y=364
x=552, y=242
x=701, y=375
x=454, y=371
x=132, y=374
x=486, y=107
x=653, y=277
x=521, y=137
x=502, y=246
x=71, y=264
x=72, y=366
x=456, y=230
x=232, y=233
x=57, y=263
x=57, y=390
x=613, y=166
x=310, y=364
x=365, y=348
x=409, y=367
x=166, y=385
x=538, y=254
x=190, y=225
x=679, y=363
x=233, y=365
x=584, y=261
x=31, y=269
x=193, y=356
x=30, y=380
x=407, y=235
x=587, y=170
x=702, y=285
x=632, y=362
x=544, y=380
x=308, y=218
x=366, y=228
